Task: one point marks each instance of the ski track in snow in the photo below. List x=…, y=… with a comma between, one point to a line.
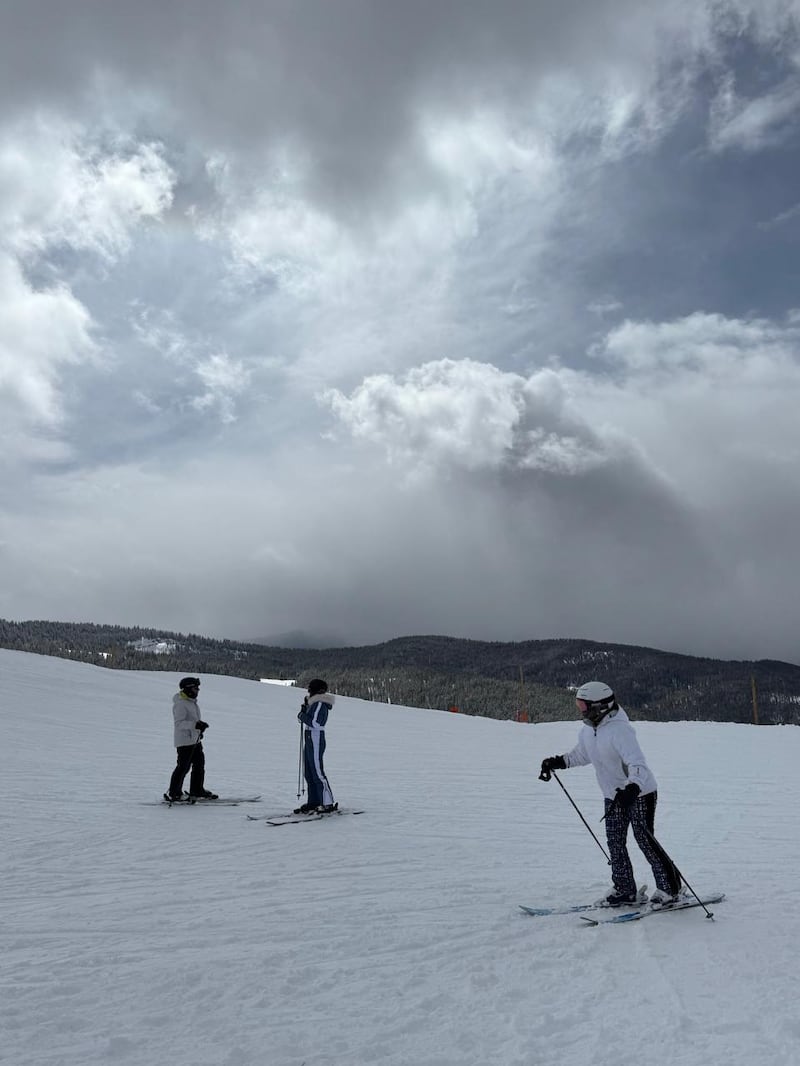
x=150, y=936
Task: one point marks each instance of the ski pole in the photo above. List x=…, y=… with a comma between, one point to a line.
x=572, y=801
x=709, y=914
x=300, y=766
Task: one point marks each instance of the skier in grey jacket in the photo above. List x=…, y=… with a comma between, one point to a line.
x=608, y=741
x=188, y=739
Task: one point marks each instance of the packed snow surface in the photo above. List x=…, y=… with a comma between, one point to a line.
x=148, y=936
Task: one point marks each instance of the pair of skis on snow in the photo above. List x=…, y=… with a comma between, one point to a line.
x=643, y=910
x=202, y=801
x=296, y=819
x=188, y=801
x=270, y=819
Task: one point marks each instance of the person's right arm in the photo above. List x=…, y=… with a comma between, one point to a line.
x=579, y=755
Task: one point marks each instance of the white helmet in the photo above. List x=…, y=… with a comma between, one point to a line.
x=594, y=692
x=596, y=700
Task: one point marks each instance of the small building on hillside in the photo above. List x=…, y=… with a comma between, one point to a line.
x=153, y=646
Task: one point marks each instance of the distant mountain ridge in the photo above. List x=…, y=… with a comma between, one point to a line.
x=532, y=680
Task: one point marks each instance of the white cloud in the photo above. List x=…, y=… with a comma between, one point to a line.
x=41, y=331
x=473, y=416
x=159, y=330
x=268, y=224
x=224, y=379
x=604, y=306
x=789, y=215
x=274, y=231
x=63, y=191
x=713, y=402
x=192, y=363
x=61, y=185
x=685, y=405
x=710, y=345
x=752, y=124
x=447, y=411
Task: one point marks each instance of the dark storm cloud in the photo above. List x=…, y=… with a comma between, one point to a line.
x=343, y=84
x=367, y=318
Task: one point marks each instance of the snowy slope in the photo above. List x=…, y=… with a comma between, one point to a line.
x=150, y=936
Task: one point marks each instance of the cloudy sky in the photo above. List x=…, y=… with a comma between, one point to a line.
x=356, y=319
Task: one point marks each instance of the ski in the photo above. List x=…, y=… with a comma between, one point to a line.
x=543, y=912
x=275, y=816
x=317, y=816
x=646, y=912
x=199, y=801
x=222, y=799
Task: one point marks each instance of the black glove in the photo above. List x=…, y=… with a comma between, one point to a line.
x=626, y=797
x=554, y=762
x=201, y=726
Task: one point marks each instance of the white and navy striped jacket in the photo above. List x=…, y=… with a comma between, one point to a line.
x=315, y=710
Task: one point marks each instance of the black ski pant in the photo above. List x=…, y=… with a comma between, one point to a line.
x=189, y=755
x=641, y=818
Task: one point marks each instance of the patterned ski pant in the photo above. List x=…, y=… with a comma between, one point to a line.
x=319, y=791
x=641, y=818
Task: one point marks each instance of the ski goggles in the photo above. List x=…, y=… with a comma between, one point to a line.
x=593, y=712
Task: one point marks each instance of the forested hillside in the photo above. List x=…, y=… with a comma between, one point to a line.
x=529, y=679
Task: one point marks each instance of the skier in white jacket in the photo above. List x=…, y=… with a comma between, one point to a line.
x=188, y=740
x=608, y=741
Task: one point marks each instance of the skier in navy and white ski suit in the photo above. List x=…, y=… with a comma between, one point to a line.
x=608, y=741
x=314, y=717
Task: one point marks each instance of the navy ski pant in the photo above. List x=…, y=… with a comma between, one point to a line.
x=641, y=819
x=319, y=791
